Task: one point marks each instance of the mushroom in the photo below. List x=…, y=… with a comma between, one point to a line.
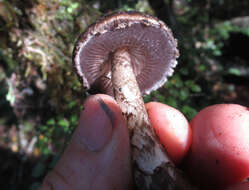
x=127, y=55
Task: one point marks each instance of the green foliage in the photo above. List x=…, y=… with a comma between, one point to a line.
x=10, y=96
x=143, y=6
x=180, y=92
x=53, y=131
x=234, y=71
x=219, y=34
x=68, y=9
x=39, y=169
x=188, y=111
x=177, y=93
x=223, y=30
x=53, y=138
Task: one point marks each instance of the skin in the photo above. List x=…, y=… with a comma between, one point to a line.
x=239, y=186
x=98, y=156
x=219, y=152
x=98, y=153
x=172, y=128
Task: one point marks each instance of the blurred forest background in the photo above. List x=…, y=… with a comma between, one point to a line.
x=41, y=97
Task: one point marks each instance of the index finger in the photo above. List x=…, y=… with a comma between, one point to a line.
x=172, y=128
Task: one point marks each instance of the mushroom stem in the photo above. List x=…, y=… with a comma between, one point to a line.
x=126, y=90
x=153, y=168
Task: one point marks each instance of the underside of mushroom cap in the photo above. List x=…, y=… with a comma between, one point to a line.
x=150, y=43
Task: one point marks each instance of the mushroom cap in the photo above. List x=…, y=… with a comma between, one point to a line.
x=150, y=43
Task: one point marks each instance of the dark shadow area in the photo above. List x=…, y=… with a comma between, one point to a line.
x=17, y=9
x=235, y=56
x=111, y=5
x=229, y=9
x=164, y=11
x=15, y=171
x=237, y=46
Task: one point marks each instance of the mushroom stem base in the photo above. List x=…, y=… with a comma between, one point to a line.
x=152, y=167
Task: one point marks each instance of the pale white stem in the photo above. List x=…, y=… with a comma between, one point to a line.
x=151, y=163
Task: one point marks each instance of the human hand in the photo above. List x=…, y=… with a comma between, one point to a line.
x=98, y=156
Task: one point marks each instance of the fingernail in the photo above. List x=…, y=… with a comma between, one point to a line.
x=96, y=124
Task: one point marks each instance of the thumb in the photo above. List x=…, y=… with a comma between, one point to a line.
x=98, y=156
